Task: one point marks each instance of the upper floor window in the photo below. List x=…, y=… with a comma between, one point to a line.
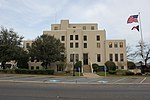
x=85, y=45
x=71, y=37
x=111, y=57
x=121, y=44
x=121, y=57
x=116, y=45
x=76, y=37
x=98, y=45
x=85, y=38
x=110, y=44
x=98, y=38
x=84, y=27
x=71, y=45
x=76, y=44
x=55, y=28
x=92, y=27
x=62, y=38
x=116, y=57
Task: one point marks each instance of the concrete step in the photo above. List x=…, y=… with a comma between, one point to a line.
x=91, y=75
x=86, y=68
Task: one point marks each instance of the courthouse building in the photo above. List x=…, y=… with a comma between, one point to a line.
x=86, y=43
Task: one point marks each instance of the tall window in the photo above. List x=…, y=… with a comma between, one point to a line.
x=71, y=45
x=77, y=57
x=111, y=57
x=85, y=45
x=121, y=57
x=62, y=38
x=71, y=37
x=76, y=37
x=121, y=44
x=98, y=38
x=92, y=27
x=76, y=44
x=71, y=57
x=116, y=57
x=116, y=45
x=98, y=45
x=98, y=57
x=85, y=38
x=110, y=44
x=27, y=45
x=84, y=27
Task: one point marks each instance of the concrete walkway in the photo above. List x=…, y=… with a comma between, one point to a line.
x=91, y=75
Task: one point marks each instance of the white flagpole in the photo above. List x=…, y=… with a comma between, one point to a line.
x=142, y=42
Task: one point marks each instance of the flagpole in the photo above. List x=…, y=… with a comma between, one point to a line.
x=142, y=42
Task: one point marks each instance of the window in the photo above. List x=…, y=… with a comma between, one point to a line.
x=85, y=38
x=71, y=37
x=32, y=59
x=71, y=45
x=55, y=28
x=76, y=44
x=110, y=44
x=92, y=27
x=27, y=45
x=71, y=57
x=116, y=57
x=98, y=57
x=121, y=44
x=62, y=38
x=121, y=57
x=111, y=57
x=98, y=38
x=85, y=45
x=122, y=67
x=37, y=67
x=98, y=45
x=32, y=67
x=77, y=57
x=84, y=27
x=76, y=37
x=74, y=26
x=116, y=45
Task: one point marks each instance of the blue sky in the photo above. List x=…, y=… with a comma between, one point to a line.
x=30, y=17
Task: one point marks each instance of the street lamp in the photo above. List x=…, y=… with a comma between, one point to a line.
x=73, y=65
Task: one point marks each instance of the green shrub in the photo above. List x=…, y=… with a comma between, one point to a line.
x=110, y=65
x=131, y=65
x=95, y=67
x=124, y=72
x=112, y=72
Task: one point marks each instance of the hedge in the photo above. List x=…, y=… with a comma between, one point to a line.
x=27, y=71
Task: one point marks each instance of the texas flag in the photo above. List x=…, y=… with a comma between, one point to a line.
x=135, y=27
x=132, y=18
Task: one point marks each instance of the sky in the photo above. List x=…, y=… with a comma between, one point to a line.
x=29, y=18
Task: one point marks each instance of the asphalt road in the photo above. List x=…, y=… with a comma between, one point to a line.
x=34, y=91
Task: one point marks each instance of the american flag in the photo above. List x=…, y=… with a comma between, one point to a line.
x=133, y=18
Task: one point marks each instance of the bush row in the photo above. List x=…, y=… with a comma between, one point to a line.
x=121, y=72
x=27, y=71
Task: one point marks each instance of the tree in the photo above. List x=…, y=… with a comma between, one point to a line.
x=23, y=59
x=9, y=45
x=131, y=65
x=143, y=51
x=47, y=49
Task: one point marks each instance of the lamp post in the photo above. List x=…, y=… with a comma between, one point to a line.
x=73, y=65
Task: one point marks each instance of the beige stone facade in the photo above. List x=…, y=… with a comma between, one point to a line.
x=86, y=43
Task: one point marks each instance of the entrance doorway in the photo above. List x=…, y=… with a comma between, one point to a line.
x=85, y=58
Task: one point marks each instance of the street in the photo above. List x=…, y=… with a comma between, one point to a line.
x=50, y=91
